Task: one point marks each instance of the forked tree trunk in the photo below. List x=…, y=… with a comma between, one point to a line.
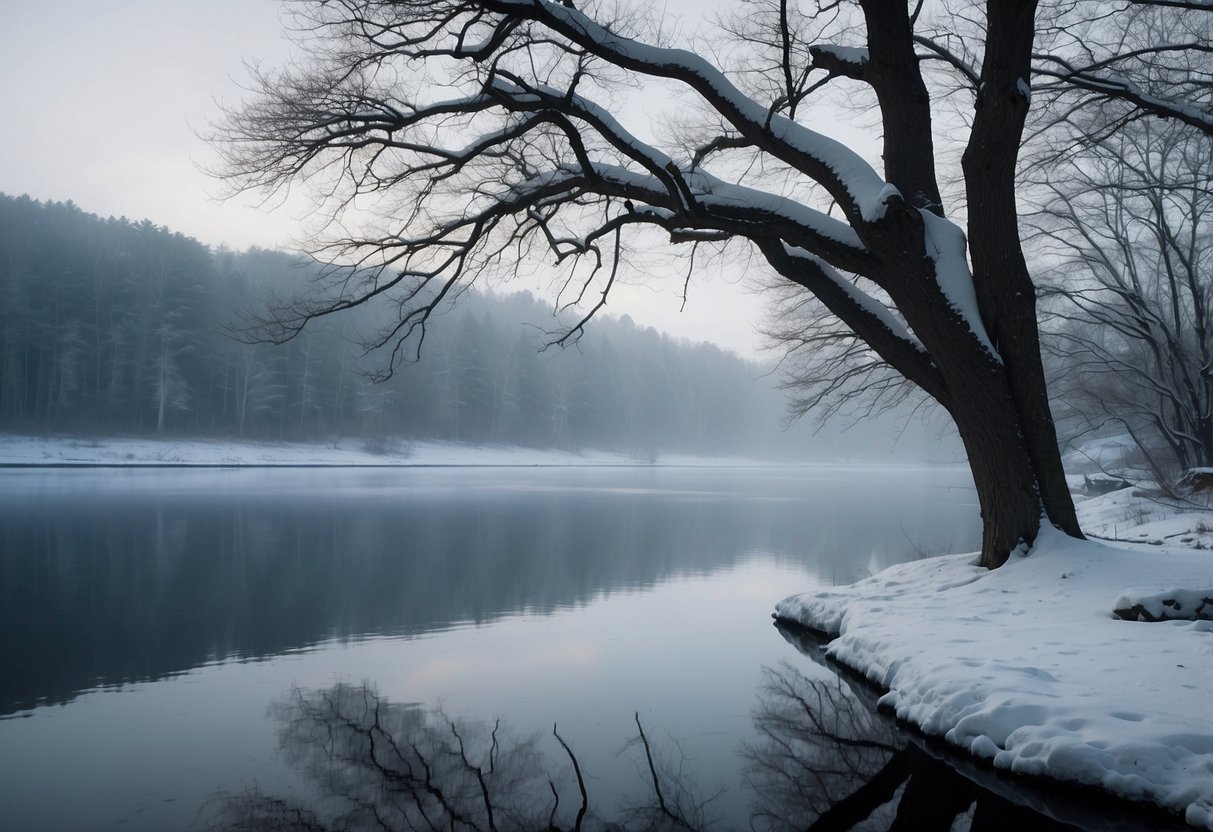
x=1005, y=292
x=1000, y=407
x=1008, y=455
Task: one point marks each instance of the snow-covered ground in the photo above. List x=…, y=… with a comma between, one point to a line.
x=1027, y=667
x=25, y=450
x=1143, y=514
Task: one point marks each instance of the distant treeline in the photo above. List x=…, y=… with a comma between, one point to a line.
x=109, y=326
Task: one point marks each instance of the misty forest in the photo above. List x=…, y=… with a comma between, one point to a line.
x=113, y=327
x=428, y=522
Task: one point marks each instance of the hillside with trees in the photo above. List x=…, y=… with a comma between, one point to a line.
x=116, y=327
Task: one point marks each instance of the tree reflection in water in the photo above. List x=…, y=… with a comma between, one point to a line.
x=817, y=742
x=824, y=760
x=379, y=765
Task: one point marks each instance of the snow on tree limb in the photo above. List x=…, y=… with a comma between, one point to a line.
x=342, y=117
x=510, y=191
x=1118, y=86
x=845, y=61
x=865, y=315
x=1150, y=58
x=695, y=191
x=859, y=189
x=861, y=299
x=946, y=247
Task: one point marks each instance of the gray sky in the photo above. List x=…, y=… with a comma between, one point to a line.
x=105, y=100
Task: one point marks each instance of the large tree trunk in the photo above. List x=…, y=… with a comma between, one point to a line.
x=1005, y=292
x=1000, y=406
x=978, y=388
x=1003, y=475
x=980, y=396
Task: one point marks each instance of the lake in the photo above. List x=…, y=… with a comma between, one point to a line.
x=183, y=647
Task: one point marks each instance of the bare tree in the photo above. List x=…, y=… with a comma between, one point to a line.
x=1118, y=174
x=1126, y=229
x=489, y=136
x=1113, y=61
x=1124, y=60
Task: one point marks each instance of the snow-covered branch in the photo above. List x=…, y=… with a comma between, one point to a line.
x=488, y=134
x=862, y=313
x=1134, y=59
x=851, y=181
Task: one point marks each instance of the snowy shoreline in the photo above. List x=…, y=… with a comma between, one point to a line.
x=68, y=452
x=1026, y=667
x=74, y=452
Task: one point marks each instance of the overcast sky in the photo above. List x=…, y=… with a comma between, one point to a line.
x=105, y=100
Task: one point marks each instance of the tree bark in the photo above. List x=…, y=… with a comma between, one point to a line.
x=905, y=104
x=1005, y=292
x=1000, y=405
x=981, y=400
x=975, y=387
x=1003, y=475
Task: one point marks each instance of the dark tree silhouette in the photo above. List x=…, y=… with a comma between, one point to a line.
x=485, y=131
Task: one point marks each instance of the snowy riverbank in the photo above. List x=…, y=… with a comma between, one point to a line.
x=25, y=450
x=1025, y=666
x=1143, y=515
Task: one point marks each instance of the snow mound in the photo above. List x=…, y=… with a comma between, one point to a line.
x=1140, y=515
x=1025, y=666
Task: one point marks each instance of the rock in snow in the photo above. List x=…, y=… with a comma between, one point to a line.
x=1172, y=604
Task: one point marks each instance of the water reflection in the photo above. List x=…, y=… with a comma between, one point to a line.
x=109, y=577
x=828, y=760
x=375, y=764
x=823, y=760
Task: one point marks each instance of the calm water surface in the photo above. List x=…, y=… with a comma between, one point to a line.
x=173, y=642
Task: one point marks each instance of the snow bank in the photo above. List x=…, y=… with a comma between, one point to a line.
x=1027, y=667
x=24, y=450
x=1138, y=515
